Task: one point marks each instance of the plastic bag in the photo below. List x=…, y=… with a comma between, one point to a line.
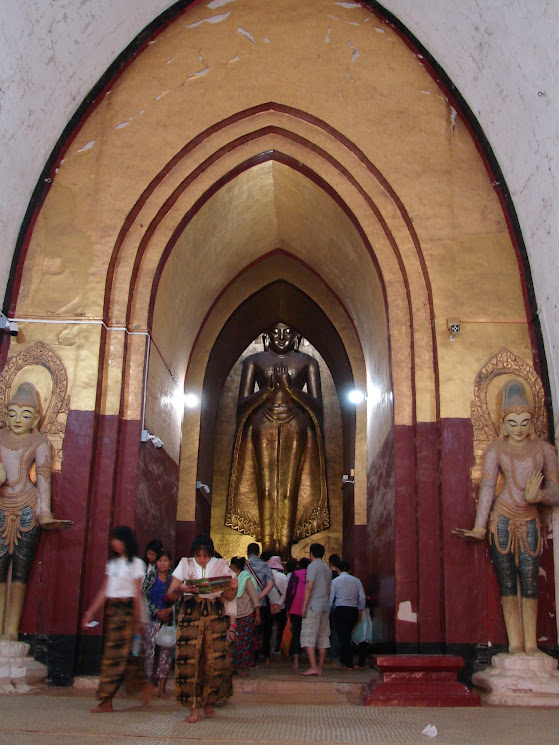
x=363, y=632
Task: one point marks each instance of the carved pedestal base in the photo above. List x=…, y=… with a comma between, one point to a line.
x=18, y=672
x=519, y=680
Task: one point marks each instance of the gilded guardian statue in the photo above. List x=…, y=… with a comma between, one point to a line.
x=277, y=490
x=510, y=517
x=25, y=507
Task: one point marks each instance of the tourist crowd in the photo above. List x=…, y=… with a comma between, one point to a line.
x=218, y=619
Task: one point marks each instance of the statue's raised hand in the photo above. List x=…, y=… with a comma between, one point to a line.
x=476, y=534
x=532, y=492
x=284, y=377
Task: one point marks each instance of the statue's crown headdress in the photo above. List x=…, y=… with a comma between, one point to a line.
x=25, y=395
x=515, y=399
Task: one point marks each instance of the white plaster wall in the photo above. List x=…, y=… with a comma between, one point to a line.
x=52, y=52
x=503, y=55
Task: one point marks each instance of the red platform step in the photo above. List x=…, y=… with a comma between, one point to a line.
x=419, y=680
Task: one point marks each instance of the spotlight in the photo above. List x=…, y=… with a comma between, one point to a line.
x=355, y=396
x=191, y=400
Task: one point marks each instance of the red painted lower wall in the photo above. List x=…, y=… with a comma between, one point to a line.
x=418, y=489
x=156, y=497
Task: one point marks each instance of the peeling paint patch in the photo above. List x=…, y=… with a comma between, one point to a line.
x=266, y=40
x=327, y=37
x=125, y=124
x=86, y=147
x=234, y=59
x=170, y=60
x=405, y=612
x=248, y=35
x=543, y=573
x=218, y=4
x=380, y=30
x=198, y=74
x=343, y=20
x=427, y=93
x=453, y=114
x=348, y=5
x=160, y=96
x=348, y=76
x=153, y=41
x=355, y=54
x=212, y=19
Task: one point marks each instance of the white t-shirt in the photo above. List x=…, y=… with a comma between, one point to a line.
x=122, y=575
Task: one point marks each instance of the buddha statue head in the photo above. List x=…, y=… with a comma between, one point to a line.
x=516, y=413
x=23, y=410
x=282, y=338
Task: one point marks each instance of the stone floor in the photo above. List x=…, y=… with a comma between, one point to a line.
x=270, y=707
x=63, y=718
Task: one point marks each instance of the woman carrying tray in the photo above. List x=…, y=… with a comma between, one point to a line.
x=207, y=585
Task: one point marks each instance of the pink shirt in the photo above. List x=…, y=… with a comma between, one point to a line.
x=297, y=604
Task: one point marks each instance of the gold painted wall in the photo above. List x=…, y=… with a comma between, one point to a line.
x=380, y=190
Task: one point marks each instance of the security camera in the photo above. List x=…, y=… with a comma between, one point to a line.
x=7, y=325
x=146, y=436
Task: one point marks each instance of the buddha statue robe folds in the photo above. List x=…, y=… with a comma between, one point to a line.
x=277, y=490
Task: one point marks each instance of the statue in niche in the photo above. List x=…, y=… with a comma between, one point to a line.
x=530, y=470
x=25, y=507
x=277, y=490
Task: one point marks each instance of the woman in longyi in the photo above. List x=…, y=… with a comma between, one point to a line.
x=201, y=651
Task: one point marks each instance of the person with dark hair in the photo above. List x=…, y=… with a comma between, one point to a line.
x=150, y=557
x=294, y=598
x=121, y=595
x=201, y=651
x=265, y=580
x=248, y=616
x=315, y=627
x=347, y=600
x=155, y=587
x=334, y=562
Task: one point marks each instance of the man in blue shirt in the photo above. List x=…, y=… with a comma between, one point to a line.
x=347, y=599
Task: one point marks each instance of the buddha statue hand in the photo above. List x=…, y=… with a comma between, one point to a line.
x=476, y=534
x=283, y=377
x=532, y=493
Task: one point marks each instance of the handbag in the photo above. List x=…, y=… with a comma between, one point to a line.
x=275, y=608
x=286, y=638
x=167, y=634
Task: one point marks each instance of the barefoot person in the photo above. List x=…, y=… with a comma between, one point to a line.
x=529, y=467
x=315, y=626
x=201, y=651
x=121, y=596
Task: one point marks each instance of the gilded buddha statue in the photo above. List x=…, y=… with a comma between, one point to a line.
x=511, y=518
x=277, y=490
x=25, y=507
